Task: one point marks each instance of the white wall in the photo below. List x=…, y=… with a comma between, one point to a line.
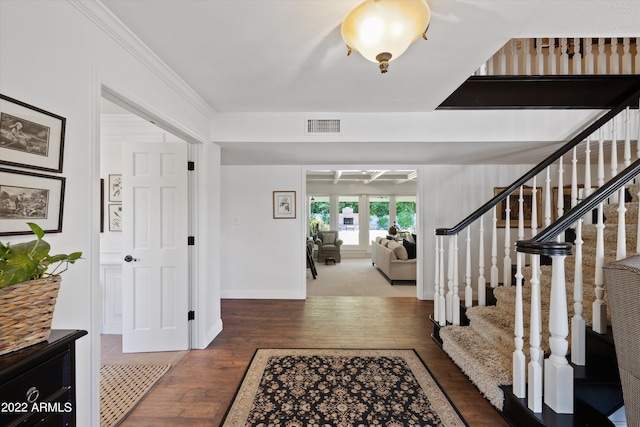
x=261, y=257
x=271, y=252
x=56, y=58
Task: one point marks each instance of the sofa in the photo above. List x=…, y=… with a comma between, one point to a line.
x=393, y=259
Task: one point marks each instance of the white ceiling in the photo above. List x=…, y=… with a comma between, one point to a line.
x=287, y=56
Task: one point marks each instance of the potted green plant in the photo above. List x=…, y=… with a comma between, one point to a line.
x=29, y=284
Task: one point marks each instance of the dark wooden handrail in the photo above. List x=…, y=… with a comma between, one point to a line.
x=582, y=135
x=541, y=244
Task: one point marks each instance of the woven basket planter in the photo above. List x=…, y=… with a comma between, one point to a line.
x=26, y=312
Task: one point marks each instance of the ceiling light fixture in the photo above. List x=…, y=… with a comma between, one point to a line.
x=381, y=30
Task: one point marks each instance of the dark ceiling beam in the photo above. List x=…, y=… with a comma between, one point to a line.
x=541, y=92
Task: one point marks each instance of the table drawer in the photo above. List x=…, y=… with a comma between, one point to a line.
x=35, y=385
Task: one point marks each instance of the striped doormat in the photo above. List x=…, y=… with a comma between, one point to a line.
x=122, y=387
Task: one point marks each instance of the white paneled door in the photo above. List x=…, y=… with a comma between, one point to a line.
x=154, y=243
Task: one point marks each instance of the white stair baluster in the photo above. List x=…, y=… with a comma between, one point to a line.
x=626, y=56
x=442, y=303
x=577, y=57
x=560, y=199
x=436, y=281
x=506, y=264
x=451, y=264
x=534, y=395
x=521, y=215
x=455, y=300
x=494, y=249
x=614, y=57
x=564, y=57
x=614, y=154
x=539, y=57
x=519, y=363
x=601, y=61
x=600, y=157
x=468, y=291
x=588, y=56
x=547, y=199
x=587, y=171
x=614, y=148
x=578, y=328
x=558, y=373
x=621, y=249
x=482, y=282
x=534, y=209
x=599, y=323
x=552, y=62
x=514, y=57
x=502, y=62
x=482, y=71
x=527, y=57
x=627, y=138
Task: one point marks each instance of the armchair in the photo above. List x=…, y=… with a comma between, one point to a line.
x=328, y=245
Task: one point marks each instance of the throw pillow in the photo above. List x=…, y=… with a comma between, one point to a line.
x=328, y=239
x=401, y=252
x=415, y=238
x=410, y=247
x=409, y=238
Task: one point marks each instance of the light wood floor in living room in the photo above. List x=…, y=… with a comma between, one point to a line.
x=198, y=390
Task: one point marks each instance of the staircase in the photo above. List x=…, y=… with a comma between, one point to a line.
x=552, y=323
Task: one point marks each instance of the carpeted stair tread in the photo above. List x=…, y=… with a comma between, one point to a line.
x=610, y=212
x=484, y=363
x=610, y=234
x=483, y=350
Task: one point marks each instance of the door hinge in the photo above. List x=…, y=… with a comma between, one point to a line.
x=191, y=166
x=191, y=315
x=191, y=240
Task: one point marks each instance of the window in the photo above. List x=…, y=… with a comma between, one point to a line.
x=406, y=213
x=319, y=214
x=378, y=216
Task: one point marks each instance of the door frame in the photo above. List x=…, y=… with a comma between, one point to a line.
x=197, y=274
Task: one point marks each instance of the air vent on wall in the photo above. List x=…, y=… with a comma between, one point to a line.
x=323, y=126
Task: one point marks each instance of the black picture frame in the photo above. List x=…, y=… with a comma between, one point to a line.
x=30, y=197
x=30, y=137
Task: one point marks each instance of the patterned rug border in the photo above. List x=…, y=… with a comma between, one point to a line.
x=449, y=414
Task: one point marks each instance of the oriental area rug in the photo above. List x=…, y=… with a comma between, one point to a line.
x=340, y=388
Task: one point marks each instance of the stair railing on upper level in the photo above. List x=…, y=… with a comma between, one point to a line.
x=558, y=56
x=612, y=127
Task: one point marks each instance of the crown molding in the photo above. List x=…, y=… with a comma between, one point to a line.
x=104, y=19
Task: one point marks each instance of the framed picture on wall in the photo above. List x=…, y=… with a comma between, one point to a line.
x=284, y=204
x=115, y=217
x=115, y=188
x=30, y=137
x=527, y=195
x=30, y=197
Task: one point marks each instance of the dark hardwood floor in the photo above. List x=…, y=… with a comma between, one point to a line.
x=199, y=389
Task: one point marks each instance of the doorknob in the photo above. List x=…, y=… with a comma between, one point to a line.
x=129, y=258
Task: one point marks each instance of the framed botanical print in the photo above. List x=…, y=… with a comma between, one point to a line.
x=115, y=217
x=30, y=137
x=284, y=204
x=30, y=197
x=115, y=188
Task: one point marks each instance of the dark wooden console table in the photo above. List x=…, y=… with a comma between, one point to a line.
x=37, y=383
